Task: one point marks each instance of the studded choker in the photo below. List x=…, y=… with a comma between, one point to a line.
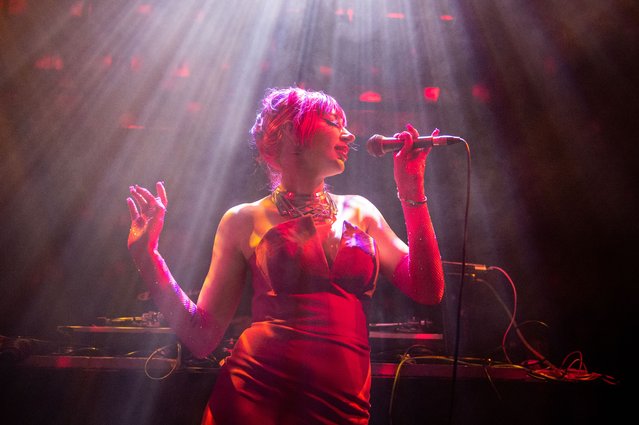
x=320, y=206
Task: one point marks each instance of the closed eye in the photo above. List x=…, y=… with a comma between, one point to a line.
x=332, y=123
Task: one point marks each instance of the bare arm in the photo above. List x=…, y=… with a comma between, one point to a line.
x=199, y=326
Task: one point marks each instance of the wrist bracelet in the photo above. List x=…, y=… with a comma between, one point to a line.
x=411, y=202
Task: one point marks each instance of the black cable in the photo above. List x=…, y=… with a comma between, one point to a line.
x=461, y=289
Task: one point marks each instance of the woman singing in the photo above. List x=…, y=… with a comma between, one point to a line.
x=313, y=257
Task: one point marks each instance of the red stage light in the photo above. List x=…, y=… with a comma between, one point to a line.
x=107, y=61
x=128, y=120
x=50, y=62
x=481, y=93
x=431, y=94
x=194, y=107
x=370, y=97
x=77, y=9
x=145, y=9
x=395, y=15
x=447, y=18
x=347, y=12
x=326, y=70
x=183, y=71
x=136, y=63
x=16, y=7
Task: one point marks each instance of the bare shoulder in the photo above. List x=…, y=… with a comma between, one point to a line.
x=241, y=223
x=243, y=216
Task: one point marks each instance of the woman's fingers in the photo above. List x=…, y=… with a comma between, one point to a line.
x=138, y=197
x=412, y=130
x=133, y=209
x=151, y=199
x=146, y=199
x=159, y=187
x=407, y=143
x=146, y=194
x=408, y=140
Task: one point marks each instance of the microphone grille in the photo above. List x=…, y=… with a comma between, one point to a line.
x=374, y=146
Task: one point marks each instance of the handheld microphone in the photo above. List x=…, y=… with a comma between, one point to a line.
x=380, y=145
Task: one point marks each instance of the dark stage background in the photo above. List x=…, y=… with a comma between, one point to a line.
x=98, y=95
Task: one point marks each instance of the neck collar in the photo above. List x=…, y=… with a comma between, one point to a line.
x=319, y=205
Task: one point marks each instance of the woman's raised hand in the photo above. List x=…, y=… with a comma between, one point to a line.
x=147, y=219
x=410, y=165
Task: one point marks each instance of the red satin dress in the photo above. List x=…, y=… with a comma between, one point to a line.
x=305, y=359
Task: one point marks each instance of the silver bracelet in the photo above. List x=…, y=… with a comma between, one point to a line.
x=411, y=202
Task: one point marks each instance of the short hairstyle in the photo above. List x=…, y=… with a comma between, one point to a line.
x=280, y=106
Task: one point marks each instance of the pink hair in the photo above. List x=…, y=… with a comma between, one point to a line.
x=302, y=108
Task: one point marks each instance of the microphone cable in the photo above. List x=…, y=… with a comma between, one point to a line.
x=461, y=290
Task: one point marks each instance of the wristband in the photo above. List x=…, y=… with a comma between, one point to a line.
x=411, y=202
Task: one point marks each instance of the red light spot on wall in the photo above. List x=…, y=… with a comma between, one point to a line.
x=107, y=61
x=447, y=18
x=326, y=70
x=16, y=7
x=481, y=93
x=183, y=71
x=431, y=94
x=129, y=120
x=194, y=107
x=395, y=15
x=53, y=62
x=77, y=9
x=145, y=9
x=348, y=12
x=370, y=97
x=136, y=63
